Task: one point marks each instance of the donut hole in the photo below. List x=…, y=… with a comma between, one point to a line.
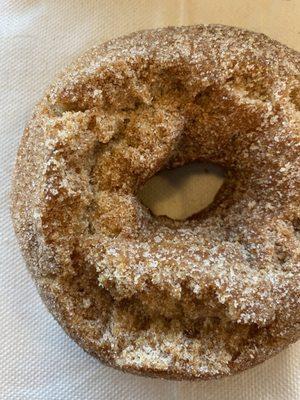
x=182, y=192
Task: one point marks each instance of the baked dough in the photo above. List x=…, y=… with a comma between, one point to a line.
x=201, y=298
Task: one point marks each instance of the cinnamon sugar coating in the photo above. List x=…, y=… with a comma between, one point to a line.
x=194, y=299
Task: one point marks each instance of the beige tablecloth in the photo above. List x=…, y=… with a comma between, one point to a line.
x=37, y=38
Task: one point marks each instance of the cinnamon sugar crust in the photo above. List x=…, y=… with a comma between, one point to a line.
x=195, y=299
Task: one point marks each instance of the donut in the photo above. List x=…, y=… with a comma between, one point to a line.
x=200, y=298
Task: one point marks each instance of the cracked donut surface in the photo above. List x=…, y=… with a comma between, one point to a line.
x=195, y=299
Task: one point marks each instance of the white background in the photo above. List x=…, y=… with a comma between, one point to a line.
x=37, y=38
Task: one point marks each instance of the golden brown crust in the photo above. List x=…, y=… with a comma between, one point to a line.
x=195, y=299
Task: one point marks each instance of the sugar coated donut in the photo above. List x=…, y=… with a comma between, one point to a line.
x=195, y=299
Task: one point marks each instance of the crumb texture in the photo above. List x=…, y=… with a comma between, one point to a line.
x=200, y=298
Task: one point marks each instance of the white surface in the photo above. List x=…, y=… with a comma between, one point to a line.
x=37, y=360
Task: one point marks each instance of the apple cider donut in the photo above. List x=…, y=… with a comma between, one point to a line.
x=195, y=299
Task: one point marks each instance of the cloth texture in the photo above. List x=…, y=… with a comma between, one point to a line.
x=37, y=38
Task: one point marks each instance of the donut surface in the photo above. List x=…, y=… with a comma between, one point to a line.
x=200, y=298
